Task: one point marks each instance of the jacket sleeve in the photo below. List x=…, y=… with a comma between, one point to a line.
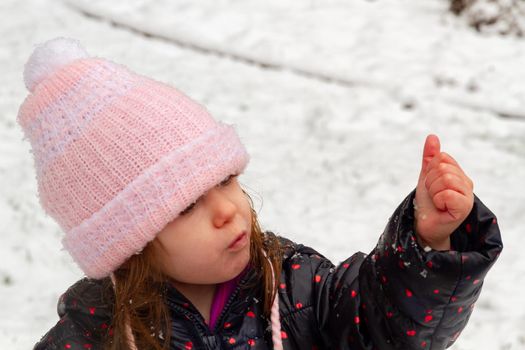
x=85, y=318
x=400, y=296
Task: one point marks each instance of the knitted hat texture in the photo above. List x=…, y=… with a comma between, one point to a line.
x=117, y=155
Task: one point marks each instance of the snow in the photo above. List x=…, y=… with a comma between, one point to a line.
x=333, y=100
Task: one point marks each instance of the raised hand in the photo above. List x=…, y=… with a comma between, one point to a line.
x=444, y=196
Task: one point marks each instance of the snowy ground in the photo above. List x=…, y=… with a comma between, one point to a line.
x=333, y=100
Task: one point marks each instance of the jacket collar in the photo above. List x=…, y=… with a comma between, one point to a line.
x=241, y=297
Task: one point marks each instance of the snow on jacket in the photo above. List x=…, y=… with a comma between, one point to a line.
x=397, y=297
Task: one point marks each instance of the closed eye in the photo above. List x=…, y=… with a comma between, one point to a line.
x=223, y=183
x=228, y=180
x=188, y=208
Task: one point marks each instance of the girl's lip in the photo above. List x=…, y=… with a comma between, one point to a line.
x=239, y=242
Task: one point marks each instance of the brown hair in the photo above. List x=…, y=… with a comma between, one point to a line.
x=140, y=292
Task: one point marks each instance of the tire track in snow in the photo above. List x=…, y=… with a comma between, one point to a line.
x=325, y=76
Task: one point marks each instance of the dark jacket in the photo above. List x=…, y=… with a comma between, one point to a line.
x=397, y=297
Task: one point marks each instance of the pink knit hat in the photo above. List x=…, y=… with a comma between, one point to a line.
x=117, y=155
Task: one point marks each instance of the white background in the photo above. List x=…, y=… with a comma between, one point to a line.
x=333, y=100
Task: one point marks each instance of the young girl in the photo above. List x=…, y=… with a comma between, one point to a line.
x=144, y=183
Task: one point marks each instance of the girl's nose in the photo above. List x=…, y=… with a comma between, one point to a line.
x=223, y=208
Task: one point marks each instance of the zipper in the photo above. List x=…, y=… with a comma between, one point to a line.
x=225, y=308
x=229, y=302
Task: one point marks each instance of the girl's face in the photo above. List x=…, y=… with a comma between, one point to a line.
x=209, y=242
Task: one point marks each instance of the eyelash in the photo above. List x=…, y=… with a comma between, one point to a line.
x=225, y=182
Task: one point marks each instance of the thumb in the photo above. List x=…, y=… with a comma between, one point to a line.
x=432, y=148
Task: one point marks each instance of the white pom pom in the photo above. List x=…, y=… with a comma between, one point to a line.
x=49, y=57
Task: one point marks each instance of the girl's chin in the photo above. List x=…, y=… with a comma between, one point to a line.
x=238, y=269
x=231, y=268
